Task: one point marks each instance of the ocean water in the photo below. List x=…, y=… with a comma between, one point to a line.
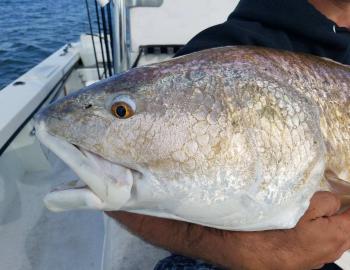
x=30, y=30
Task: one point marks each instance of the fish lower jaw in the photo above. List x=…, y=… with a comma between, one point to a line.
x=110, y=182
x=73, y=184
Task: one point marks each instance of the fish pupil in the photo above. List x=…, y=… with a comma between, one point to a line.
x=121, y=111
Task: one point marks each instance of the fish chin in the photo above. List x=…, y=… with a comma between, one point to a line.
x=110, y=182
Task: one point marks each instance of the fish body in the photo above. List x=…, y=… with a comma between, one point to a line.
x=235, y=138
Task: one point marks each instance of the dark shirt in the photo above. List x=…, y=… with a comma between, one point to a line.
x=293, y=25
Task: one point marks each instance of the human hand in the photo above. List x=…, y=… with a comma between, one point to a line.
x=321, y=236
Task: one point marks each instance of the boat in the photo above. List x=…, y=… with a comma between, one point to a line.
x=132, y=33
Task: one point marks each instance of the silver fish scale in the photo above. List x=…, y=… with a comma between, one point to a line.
x=233, y=137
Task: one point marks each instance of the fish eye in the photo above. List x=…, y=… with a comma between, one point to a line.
x=123, y=107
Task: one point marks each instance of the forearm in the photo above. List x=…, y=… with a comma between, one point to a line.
x=195, y=241
x=321, y=236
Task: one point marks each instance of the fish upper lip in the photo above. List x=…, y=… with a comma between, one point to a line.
x=80, y=162
x=83, y=152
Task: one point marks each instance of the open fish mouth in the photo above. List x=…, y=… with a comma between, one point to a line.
x=104, y=184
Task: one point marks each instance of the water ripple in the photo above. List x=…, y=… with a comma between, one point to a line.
x=30, y=30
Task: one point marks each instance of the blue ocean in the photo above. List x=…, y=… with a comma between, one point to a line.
x=30, y=30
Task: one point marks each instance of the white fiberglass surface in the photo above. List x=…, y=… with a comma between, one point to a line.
x=32, y=237
x=344, y=261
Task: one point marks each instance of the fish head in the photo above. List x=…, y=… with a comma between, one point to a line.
x=214, y=138
x=157, y=121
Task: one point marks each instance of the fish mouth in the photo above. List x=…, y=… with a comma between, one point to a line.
x=101, y=176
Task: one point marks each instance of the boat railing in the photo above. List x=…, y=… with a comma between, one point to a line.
x=21, y=99
x=140, y=23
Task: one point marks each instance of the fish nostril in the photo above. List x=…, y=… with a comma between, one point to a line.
x=38, y=117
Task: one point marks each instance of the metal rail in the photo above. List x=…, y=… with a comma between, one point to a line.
x=120, y=9
x=53, y=92
x=100, y=38
x=120, y=29
x=144, y=3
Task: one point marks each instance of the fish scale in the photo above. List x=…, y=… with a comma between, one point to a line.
x=236, y=138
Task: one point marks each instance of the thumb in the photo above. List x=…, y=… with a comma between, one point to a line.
x=344, y=215
x=322, y=204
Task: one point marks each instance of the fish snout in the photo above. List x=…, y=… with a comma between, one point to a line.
x=58, y=115
x=61, y=109
x=44, y=116
x=39, y=117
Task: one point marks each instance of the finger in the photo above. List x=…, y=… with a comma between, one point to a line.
x=345, y=202
x=127, y=218
x=343, y=223
x=322, y=204
x=139, y=222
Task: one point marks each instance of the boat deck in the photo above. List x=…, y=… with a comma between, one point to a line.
x=43, y=240
x=32, y=237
